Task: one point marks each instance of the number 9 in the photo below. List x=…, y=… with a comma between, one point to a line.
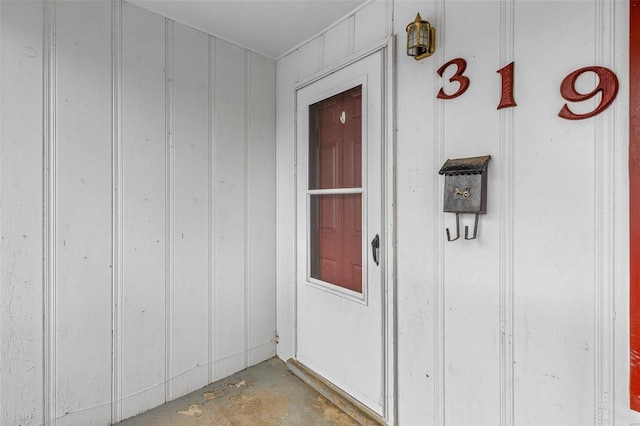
x=607, y=84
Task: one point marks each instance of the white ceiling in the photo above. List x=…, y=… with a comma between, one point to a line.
x=269, y=27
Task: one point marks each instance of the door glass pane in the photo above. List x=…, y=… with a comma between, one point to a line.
x=335, y=162
x=335, y=141
x=336, y=240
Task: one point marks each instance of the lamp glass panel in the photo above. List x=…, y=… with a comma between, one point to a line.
x=412, y=36
x=424, y=36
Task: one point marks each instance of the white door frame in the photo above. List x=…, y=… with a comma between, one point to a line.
x=388, y=215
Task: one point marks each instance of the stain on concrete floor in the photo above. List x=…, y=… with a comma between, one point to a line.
x=265, y=394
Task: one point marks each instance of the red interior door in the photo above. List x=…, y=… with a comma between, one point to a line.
x=335, y=162
x=634, y=201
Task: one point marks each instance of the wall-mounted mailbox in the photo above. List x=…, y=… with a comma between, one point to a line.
x=465, y=190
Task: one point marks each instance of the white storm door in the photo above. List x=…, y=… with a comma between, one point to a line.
x=340, y=315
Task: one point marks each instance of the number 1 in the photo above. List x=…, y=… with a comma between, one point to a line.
x=507, y=101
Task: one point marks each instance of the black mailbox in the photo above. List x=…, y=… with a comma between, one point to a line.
x=465, y=189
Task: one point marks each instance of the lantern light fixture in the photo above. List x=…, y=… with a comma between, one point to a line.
x=421, y=39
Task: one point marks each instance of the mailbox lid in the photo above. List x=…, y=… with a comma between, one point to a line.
x=465, y=166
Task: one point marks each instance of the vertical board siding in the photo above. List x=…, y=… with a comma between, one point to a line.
x=83, y=234
x=604, y=206
x=169, y=209
x=49, y=226
x=21, y=209
x=416, y=174
x=108, y=145
x=229, y=190
x=144, y=203
x=370, y=24
x=117, y=216
x=286, y=76
x=471, y=279
x=553, y=303
x=310, y=58
x=437, y=255
x=191, y=208
x=260, y=208
x=506, y=222
x=211, y=57
x=472, y=290
x=338, y=42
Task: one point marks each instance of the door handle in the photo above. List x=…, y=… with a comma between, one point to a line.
x=375, y=246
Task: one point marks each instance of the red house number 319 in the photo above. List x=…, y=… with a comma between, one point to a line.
x=607, y=86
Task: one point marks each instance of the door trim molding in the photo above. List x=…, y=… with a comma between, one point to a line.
x=389, y=238
x=386, y=47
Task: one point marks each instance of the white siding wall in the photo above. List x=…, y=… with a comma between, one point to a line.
x=79, y=212
x=528, y=323
x=21, y=210
x=138, y=235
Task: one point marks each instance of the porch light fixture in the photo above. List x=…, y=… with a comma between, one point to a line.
x=421, y=39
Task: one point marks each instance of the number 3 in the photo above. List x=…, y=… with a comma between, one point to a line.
x=607, y=84
x=457, y=77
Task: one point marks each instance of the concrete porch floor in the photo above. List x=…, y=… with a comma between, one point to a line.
x=265, y=394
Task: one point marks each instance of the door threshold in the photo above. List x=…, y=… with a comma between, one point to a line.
x=355, y=409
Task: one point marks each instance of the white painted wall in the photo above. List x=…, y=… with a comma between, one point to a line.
x=528, y=323
x=137, y=211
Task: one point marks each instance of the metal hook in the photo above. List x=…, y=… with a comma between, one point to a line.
x=475, y=230
x=457, y=229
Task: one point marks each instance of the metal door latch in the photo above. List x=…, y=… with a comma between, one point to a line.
x=375, y=246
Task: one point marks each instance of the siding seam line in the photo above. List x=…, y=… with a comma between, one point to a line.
x=438, y=237
x=117, y=272
x=247, y=233
x=50, y=219
x=604, y=229
x=169, y=212
x=352, y=34
x=506, y=125
x=211, y=258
